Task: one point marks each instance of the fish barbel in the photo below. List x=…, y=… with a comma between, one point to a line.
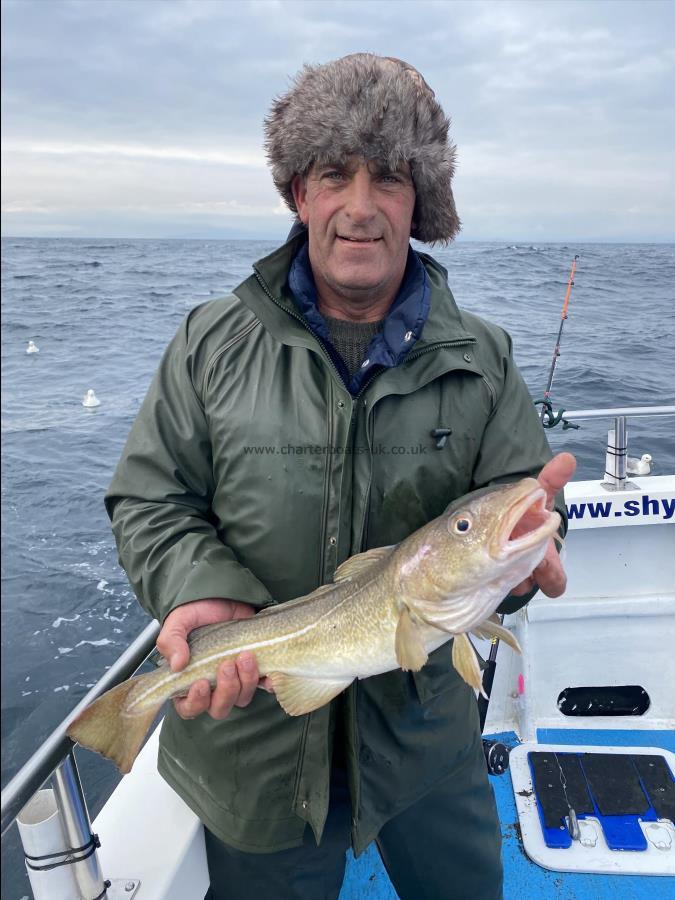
x=386, y=608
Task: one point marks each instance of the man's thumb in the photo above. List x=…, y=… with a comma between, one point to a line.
x=174, y=648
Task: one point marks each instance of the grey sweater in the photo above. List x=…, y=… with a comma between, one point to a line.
x=351, y=340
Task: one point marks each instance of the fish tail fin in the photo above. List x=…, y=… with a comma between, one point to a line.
x=108, y=728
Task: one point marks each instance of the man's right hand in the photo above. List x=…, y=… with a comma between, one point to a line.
x=236, y=680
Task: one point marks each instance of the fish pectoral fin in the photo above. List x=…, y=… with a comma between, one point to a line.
x=298, y=694
x=355, y=565
x=464, y=659
x=491, y=629
x=411, y=654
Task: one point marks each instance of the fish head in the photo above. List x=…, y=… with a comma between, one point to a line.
x=473, y=554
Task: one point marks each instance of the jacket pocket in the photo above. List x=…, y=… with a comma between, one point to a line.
x=437, y=676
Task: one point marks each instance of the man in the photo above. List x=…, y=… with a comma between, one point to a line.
x=337, y=401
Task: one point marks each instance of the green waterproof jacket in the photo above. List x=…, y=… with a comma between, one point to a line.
x=251, y=473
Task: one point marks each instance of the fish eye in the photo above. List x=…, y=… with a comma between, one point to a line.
x=461, y=525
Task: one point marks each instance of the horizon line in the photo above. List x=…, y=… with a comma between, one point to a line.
x=249, y=238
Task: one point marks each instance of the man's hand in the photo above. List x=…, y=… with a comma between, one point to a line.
x=549, y=576
x=236, y=680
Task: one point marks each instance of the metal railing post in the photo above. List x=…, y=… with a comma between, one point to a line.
x=621, y=448
x=616, y=457
x=77, y=827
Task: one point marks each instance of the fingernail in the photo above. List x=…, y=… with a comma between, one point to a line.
x=229, y=669
x=247, y=662
x=173, y=662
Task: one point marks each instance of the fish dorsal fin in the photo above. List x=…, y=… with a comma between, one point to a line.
x=359, y=563
x=464, y=659
x=298, y=694
x=411, y=654
x=492, y=628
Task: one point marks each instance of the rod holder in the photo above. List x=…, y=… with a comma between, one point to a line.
x=44, y=844
x=615, y=457
x=77, y=828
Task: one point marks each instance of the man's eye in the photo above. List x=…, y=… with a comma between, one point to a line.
x=333, y=176
x=390, y=179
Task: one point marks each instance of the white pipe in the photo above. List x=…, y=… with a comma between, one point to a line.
x=41, y=833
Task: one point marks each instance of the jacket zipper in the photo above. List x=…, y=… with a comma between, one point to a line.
x=460, y=342
x=364, y=386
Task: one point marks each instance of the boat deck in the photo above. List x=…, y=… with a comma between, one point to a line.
x=524, y=879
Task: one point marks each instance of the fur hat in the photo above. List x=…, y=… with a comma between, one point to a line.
x=371, y=106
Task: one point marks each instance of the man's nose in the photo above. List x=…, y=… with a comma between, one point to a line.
x=360, y=200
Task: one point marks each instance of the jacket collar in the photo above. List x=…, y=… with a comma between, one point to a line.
x=443, y=323
x=401, y=328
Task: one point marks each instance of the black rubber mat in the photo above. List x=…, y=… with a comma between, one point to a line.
x=658, y=782
x=614, y=783
x=555, y=799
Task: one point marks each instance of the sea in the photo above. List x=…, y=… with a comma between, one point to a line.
x=101, y=312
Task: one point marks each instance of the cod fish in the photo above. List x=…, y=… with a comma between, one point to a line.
x=387, y=608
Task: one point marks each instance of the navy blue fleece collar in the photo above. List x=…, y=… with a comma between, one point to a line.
x=402, y=327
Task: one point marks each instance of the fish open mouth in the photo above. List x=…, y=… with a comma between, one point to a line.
x=527, y=522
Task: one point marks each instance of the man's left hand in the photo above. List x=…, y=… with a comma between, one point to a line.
x=549, y=576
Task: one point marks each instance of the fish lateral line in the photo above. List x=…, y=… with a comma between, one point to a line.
x=168, y=677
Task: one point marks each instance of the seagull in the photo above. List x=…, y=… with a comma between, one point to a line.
x=31, y=348
x=640, y=466
x=90, y=400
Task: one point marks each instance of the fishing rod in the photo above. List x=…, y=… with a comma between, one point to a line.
x=547, y=417
x=496, y=753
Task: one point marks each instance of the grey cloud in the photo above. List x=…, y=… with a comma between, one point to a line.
x=543, y=95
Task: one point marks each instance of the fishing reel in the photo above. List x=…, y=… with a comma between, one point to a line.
x=549, y=418
x=496, y=757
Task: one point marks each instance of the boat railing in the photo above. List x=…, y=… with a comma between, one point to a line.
x=616, y=475
x=55, y=758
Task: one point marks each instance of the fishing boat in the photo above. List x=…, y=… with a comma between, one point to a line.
x=578, y=732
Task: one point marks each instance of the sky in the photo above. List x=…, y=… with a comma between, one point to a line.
x=143, y=118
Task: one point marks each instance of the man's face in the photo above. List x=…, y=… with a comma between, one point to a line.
x=359, y=218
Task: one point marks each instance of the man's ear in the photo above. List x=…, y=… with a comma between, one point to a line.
x=299, y=190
